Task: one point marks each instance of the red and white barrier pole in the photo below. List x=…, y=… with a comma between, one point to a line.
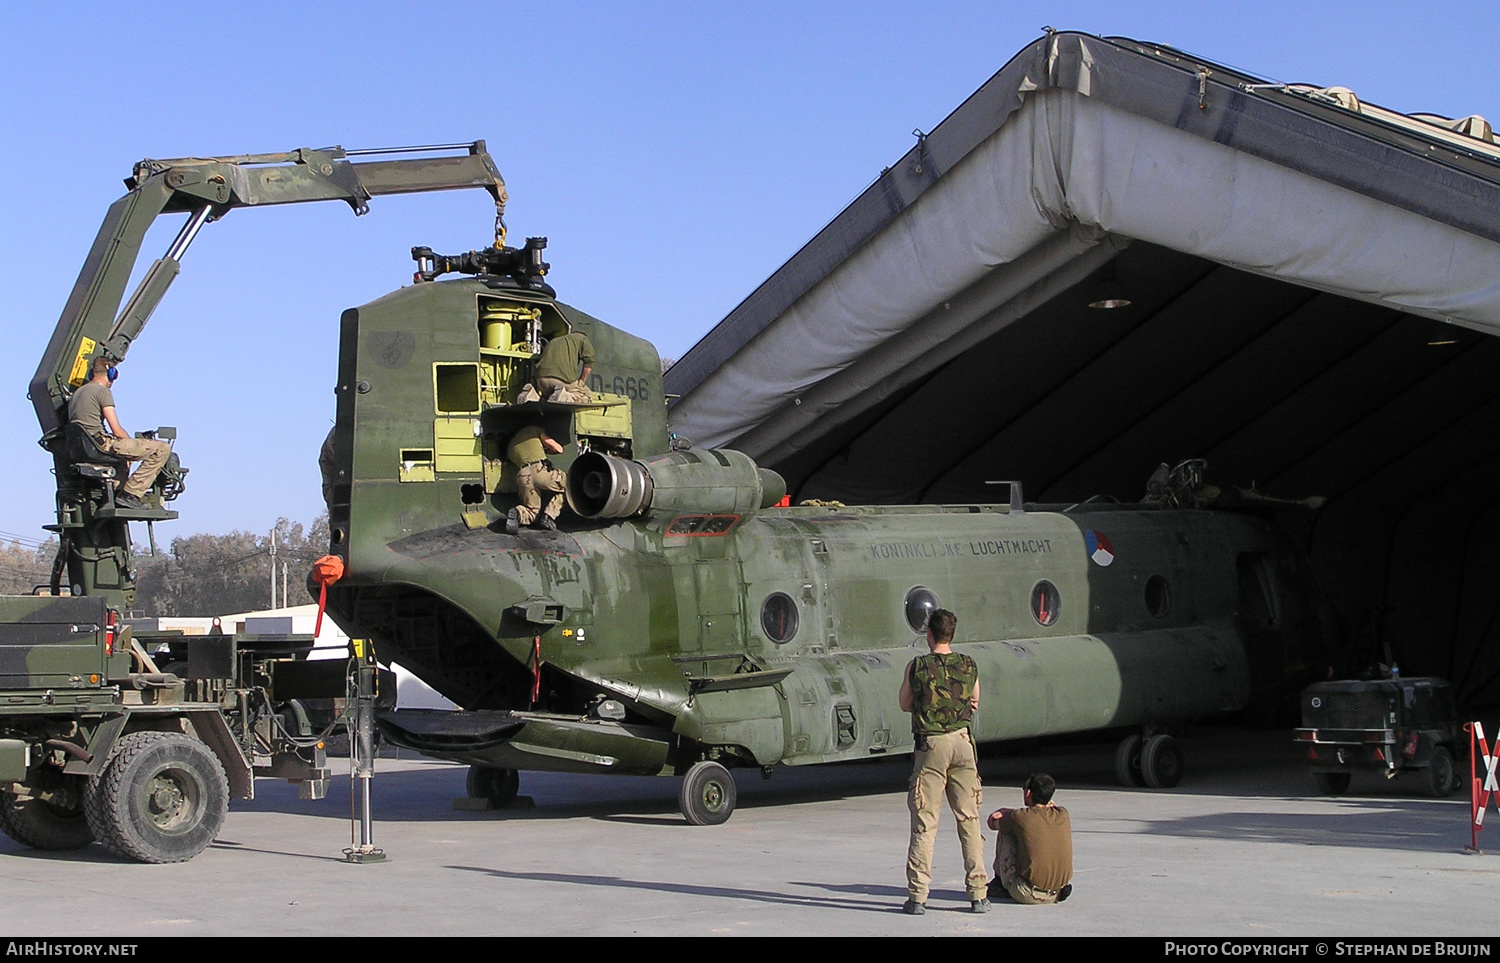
x=1481, y=787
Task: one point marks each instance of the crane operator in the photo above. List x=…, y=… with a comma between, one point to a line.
x=93, y=407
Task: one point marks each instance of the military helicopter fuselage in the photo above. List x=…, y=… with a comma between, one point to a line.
x=679, y=621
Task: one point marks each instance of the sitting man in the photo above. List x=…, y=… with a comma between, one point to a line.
x=528, y=451
x=93, y=407
x=1034, y=851
x=562, y=373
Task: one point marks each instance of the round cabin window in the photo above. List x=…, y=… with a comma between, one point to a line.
x=920, y=604
x=778, y=618
x=1045, y=602
x=1158, y=596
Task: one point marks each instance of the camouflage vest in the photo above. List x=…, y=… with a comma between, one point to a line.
x=941, y=686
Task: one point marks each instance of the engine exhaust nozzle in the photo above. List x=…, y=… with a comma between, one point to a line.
x=716, y=481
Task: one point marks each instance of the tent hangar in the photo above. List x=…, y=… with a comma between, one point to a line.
x=1310, y=290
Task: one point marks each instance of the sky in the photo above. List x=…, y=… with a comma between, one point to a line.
x=675, y=155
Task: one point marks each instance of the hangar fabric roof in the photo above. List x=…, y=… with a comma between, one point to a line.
x=1310, y=282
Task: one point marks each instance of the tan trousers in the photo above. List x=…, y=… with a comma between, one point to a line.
x=533, y=479
x=150, y=453
x=570, y=392
x=947, y=767
x=1020, y=889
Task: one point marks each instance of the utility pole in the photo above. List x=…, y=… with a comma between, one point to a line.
x=273, y=568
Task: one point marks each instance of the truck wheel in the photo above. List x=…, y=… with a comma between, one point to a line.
x=43, y=825
x=1439, y=782
x=1332, y=783
x=708, y=794
x=1161, y=762
x=161, y=798
x=1460, y=778
x=1128, y=762
x=499, y=786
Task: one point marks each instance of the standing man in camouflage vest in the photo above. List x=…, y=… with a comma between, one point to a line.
x=941, y=691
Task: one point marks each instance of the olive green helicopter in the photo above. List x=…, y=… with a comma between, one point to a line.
x=681, y=619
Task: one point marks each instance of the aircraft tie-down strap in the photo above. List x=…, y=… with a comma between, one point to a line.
x=1480, y=790
x=536, y=670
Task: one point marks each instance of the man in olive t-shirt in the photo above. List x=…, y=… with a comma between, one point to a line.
x=1034, y=851
x=562, y=373
x=528, y=451
x=93, y=407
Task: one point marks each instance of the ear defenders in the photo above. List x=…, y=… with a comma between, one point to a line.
x=113, y=373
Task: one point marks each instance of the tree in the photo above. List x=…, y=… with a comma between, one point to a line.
x=206, y=575
x=23, y=568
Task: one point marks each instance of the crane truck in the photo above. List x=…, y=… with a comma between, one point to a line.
x=97, y=741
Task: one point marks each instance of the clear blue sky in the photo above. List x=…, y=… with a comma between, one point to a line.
x=710, y=137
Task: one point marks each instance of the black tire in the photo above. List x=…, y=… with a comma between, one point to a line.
x=1128, y=762
x=161, y=798
x=1460, y=778
x=708, y=794
x=497, y=785
x=43, y=825
x=1332, y=783
x=1439, y=774
x=1162, y=762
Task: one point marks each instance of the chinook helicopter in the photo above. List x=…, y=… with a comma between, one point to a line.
x=681, y=619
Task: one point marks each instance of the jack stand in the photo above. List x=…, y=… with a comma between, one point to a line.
x=362, y=751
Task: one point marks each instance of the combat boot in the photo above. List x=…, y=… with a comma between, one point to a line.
x=513, y=522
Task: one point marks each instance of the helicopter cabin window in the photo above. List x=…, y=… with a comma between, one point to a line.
x=1045, y=603
x=1158, y=596
x=778, y=618
x=920, y=604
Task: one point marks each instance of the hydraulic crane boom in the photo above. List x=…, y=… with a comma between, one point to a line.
x=207, y=188
x=93, y=531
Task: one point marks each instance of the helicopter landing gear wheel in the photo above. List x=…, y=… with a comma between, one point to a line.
x=708, y=794
x=1162, y=762
x=497, y=785
x=1128, y=762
